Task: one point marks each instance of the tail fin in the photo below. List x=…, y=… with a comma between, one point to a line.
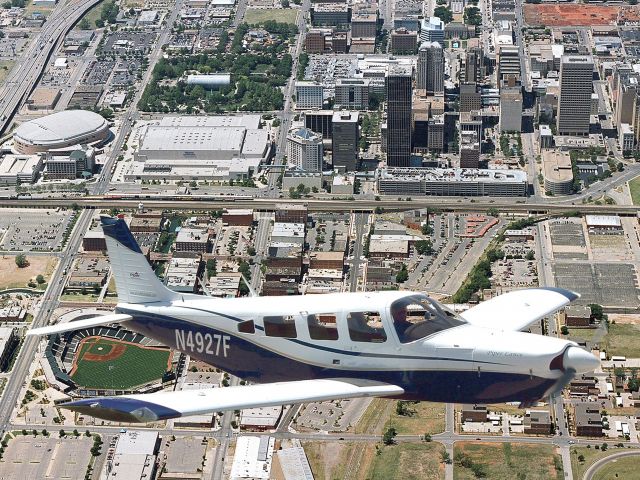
x=135, y=280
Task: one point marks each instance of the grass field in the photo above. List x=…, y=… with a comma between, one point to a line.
x=136, y=365
x=408, y=461
x=375, y=416
x=13, y=277
x=282, y=15
x=622, y=339
x=625, y=467
x=337, y=460
x=425, y=417
x=5, y=68
x=92, y=15
x=634, y=189
x=509, y=461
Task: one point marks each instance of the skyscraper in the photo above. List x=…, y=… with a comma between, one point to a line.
x=472, y=68
x=576, y=86
x=399, y=93
x=345, y=140
x=430, y=68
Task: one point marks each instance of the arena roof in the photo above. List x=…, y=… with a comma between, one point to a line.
x=66, y=126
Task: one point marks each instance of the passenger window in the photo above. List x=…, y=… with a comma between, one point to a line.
x=280, y=326
x=322, y=326
x=366, y=327
x=247, y=327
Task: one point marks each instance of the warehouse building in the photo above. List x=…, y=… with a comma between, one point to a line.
x=452, y=182
x=192, y=148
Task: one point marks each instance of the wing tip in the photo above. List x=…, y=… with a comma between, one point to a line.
x=568, y=294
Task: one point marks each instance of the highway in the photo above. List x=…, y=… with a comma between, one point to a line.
x=517, y=205
x=27, y=71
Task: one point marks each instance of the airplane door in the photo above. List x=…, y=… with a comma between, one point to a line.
x=452, y=353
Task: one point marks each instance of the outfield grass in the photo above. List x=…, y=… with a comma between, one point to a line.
x=424, y=417
x=282, y=15
x=408, y=461
x=634, y=188
x=509, y=461
x=136, y=366
x=625, y=467
x=591, y=456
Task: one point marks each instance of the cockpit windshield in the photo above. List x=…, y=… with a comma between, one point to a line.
x=418, y=316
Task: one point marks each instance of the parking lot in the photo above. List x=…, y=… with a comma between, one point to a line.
x=567, y=237
x=337, y=415
x=43, y=457
x=608, y=284
x=39, y=230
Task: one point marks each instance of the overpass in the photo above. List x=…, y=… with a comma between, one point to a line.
x=450, y=204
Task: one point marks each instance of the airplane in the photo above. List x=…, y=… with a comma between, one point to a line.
x=395, y=344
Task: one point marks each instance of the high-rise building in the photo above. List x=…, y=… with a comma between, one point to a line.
x=430, y=68
x=364, y=25
x=352, y=93
x=403, y=42
x=576, y=86
x=309, y=95
x=304, y=149
x=508, y=61
x=398, y=87
x=472, y=68
x=435, y=133
x=345, y=140
x=469, y=150
x=432, y=30
x=510, y=109
x=470, y=97
x=319, y=121
x=471, y=121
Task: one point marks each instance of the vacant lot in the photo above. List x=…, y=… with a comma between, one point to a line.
x=332, y=460
x=591, y=456
x=282, y=15
x=634, y=189
x=13, y=277
x=509, y=461
x=375, y=416
x=104, y=363
x=422, y=417
x=408, y=461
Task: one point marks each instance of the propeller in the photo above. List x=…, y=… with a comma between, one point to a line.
x=572, y=361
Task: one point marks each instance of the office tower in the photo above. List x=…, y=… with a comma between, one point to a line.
x=576, y=86
x=469, y=150
x=304, y=149
x=508, y=61
x=430, y=68
x=432, y=30
x=309, y=95
x=398, y=87
x=470, y=97
x=345, y=140
x=510, y=109
x=352, y=93
x=435, y=133
x=472, y=68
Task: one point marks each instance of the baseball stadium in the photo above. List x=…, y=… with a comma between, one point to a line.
x=107, y=361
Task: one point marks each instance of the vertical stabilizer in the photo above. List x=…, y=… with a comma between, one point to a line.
x=135, y=280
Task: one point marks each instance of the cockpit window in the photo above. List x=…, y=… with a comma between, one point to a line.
x=366, y=327
x=418, y=316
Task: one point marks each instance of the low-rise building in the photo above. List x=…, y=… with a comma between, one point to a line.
x=224, y=285
x=474, y=413
x=538, y=422
x=88, y=273
x=183, y=274
x=577, y=316
x=20, y=169
x=94, y=241
x=260, y=419
x=331, y=260
x=8, y=341
x=134, y=455
x=238, y=217
x=252, y=458
x=192, y=240
x=558, y=174
x=588, y=420
x=584, y=384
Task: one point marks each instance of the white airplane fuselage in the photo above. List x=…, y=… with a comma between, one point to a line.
x=269, y=339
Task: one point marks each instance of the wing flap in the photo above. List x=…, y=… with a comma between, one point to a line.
x=78, y=324
x=518, y=309
x=151, y=407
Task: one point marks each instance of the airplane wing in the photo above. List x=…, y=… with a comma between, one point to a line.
x=78, y=324
x=142, y=408
x=518, y=309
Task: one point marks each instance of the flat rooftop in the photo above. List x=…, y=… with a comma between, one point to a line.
x=453, y=175
x=557, y=166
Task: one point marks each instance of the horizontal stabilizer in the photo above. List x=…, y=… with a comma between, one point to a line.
x=518, y=309
x=151, y=407
x=77, y=325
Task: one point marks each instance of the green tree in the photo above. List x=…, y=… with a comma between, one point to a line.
x=21, y=260
x=530, y=255
x=564, y=330
x=84, y=24
x=40, y=279
x=62, y=433
x=403, y=275
x=596, y=311
x=424, y=247
x=443, y=13
x=389, y=436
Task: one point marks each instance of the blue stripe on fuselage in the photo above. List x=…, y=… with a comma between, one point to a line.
x=254, y=363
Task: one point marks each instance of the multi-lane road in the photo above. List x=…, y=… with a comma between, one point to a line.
x=32, y=62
